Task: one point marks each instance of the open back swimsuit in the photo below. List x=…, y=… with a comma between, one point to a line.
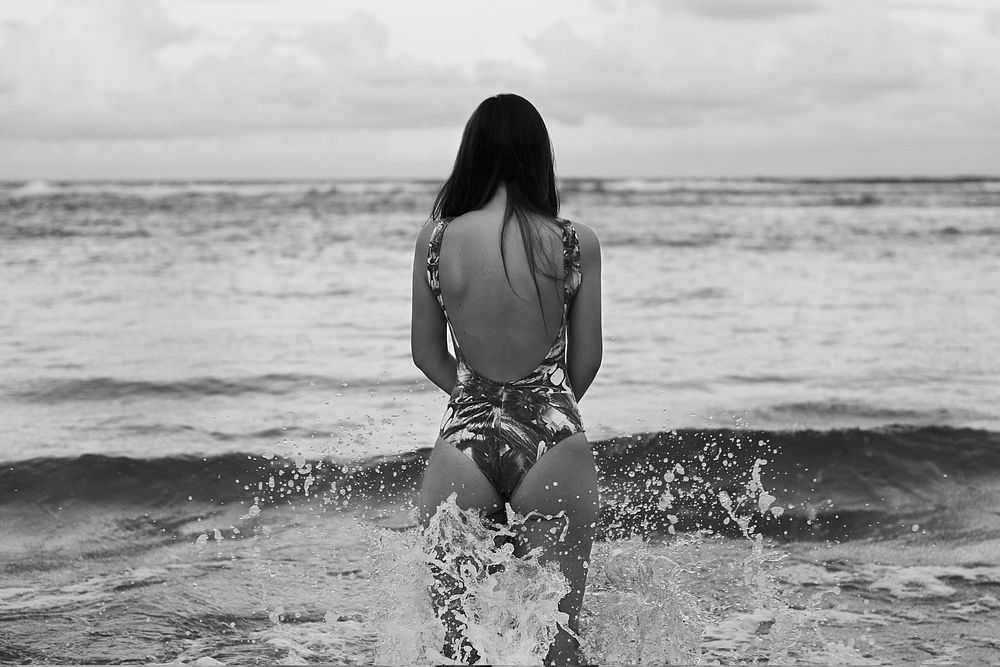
x=505, y=427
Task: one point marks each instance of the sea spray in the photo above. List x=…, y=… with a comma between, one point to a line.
x=660, y=589
x=697, y=597
x=639, y=608
x=506, y=605
x=401, y=617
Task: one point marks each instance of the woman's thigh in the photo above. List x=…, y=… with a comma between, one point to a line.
x=563, y=479
x=450, y=471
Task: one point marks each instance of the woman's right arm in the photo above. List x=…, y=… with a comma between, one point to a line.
x=428, y=328
x=586, y=346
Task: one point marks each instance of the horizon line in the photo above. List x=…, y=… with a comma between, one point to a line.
x=898, y=178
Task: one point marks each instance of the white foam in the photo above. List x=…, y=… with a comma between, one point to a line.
x=509, y=605
x=37, y=188
x=928, y=581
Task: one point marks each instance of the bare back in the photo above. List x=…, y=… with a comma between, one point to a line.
x=498, y=324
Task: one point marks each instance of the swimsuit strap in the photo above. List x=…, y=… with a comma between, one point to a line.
x=571, y=262
x=434, y=259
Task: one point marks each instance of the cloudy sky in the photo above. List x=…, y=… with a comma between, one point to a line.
x=381, y=88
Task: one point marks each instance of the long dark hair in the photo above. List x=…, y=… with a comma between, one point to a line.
x=505, y=141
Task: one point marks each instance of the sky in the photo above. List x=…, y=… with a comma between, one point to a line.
x=178, y=89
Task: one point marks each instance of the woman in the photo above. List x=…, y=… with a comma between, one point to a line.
x=520, y=290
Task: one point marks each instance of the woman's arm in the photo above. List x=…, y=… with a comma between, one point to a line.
x=586, y=346
x=428, y=329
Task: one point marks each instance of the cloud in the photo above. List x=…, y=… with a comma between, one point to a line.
x=110, y=69
x=993, y=21
x=67, y=75
x=681, y=70
x=657, y=65
x=95, y=69
x=744, y=9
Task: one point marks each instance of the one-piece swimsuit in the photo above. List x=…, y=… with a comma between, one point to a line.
x=505, y=427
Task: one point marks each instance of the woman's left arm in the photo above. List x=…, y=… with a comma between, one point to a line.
x=428, y=328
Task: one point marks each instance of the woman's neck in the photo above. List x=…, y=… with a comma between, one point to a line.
x=499, y=198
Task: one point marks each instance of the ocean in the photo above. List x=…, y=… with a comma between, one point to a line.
x=212, y=430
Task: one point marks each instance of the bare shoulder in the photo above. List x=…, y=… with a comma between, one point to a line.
x=425, y=233
x=589, y=243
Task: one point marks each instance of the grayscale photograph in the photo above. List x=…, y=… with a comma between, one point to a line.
x=562, y=332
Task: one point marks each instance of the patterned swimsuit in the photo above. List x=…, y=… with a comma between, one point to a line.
x=505, y=427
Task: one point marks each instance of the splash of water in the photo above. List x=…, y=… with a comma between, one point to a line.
x=639, y=608
x=695, y=597
x=506, y=605
x=661, y=589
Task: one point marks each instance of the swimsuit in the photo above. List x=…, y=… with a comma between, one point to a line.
x=505, y=427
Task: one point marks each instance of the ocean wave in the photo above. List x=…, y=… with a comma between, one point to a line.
x=662, y=191
x=56, y=390
x=153, y=190
x=839, y=412
x=37, y=188
x=277, y=433
x=764, y=378
x=221, y=479
x=951, y=230
x=831, y=484
x=12, y=232
x=664, y=239
x=838, y=484
x=862, y=192
x=55, y=230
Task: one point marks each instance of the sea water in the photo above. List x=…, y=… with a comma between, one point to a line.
x=212, y=431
